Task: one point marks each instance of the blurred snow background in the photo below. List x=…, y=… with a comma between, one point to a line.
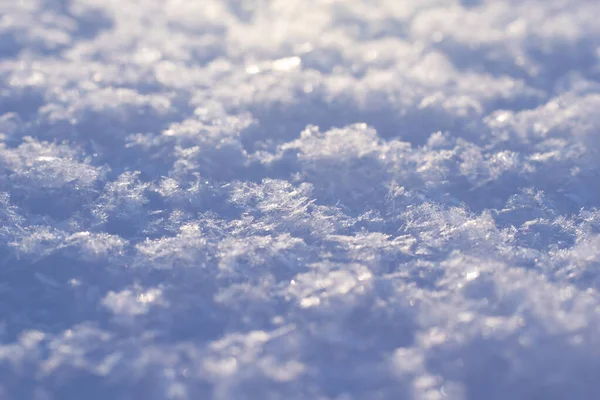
x=299, y=199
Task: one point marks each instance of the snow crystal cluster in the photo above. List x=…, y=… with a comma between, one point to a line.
x=300, y=199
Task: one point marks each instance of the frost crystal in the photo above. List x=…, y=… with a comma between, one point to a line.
x=303, y=199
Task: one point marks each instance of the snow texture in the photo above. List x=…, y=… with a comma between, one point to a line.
x=299, y=199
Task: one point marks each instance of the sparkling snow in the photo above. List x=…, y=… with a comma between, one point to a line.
x=300, y=199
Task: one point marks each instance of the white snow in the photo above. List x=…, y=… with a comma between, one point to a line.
x=299, y=199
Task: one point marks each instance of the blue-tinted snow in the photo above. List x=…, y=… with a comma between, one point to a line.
x=299, y=199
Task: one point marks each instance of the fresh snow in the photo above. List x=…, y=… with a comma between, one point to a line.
x=300, y=199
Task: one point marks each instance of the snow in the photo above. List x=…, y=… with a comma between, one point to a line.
x=299, y=199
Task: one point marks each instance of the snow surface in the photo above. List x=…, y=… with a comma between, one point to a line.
x=299, y=199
